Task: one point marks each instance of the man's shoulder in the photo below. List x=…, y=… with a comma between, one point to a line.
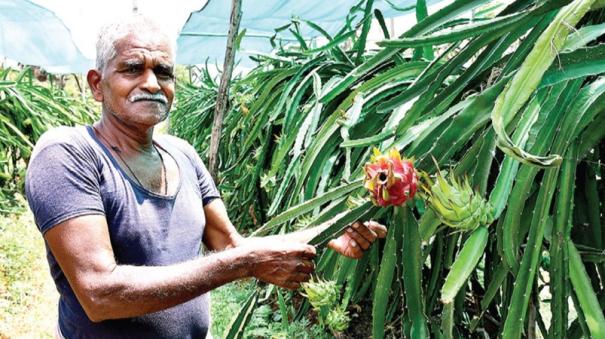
x=182, y=144
x=63, y=135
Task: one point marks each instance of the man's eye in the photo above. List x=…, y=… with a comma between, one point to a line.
x=164, y=74
x=131, y=69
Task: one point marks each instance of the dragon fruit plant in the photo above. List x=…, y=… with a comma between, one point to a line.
x=512, y=100
x=337, y=319
x=392, y=181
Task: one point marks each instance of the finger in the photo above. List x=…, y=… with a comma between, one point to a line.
x=379, y=229
x=365, y=231
x=358, y=239
x=300, y=277
x=346, y=246
x=305, y=266
x=354, y=251
x=339, y=244
x=291, y=285
x=307, y=252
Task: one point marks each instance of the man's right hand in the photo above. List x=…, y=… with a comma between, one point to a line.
x=285, y=264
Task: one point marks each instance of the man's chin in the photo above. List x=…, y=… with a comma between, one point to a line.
x=152, y=112
x=154, y=118
x=143, y=119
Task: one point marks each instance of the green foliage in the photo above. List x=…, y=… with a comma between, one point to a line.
x=28, y=109
x=264, y=324
x=337, y=320
x=510, y=90
x=324, y=296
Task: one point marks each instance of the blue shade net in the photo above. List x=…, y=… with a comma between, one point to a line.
x=204, y=35
x=33, y=35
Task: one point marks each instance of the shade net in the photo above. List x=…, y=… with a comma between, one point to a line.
x=33, y=35
x=203, y=37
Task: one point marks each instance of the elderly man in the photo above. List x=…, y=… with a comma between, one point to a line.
x=124, y=213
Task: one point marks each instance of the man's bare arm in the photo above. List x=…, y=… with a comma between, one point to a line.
x=219, y=232
x=107, y=290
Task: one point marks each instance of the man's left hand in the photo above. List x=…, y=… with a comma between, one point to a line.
x=357, y=238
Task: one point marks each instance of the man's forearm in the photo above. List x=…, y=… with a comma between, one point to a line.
x=130, y=291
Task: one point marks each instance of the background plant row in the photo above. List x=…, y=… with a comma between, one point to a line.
x=303, y=122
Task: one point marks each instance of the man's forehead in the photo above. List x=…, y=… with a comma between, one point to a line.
x=144, y=45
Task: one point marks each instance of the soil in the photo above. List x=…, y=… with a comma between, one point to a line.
x=360, y=325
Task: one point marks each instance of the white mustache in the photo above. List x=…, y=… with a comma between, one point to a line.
x=160, y=97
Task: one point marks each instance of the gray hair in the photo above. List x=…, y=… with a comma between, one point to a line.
x=114, y=31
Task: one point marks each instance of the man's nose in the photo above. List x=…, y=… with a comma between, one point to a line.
x=150, y=81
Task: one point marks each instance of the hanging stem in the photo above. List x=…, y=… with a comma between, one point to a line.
x=223, y=90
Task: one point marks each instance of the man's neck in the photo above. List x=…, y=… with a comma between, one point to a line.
x=128, y=139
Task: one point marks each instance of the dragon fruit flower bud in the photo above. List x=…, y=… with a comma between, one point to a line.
x=458, y=205
x=321, y=292
x=390, y=179
x=338, y=319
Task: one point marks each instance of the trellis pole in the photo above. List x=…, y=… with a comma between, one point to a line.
x=222, y=98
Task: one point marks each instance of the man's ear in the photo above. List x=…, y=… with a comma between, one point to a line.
x=94, y=82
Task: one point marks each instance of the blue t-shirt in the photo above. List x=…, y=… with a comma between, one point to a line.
x=71, y=173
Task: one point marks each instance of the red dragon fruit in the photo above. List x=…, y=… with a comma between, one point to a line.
x=390, y=179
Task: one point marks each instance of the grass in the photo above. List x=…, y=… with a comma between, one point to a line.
x=266, y=322
x=225, y=302
x=28, y=298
